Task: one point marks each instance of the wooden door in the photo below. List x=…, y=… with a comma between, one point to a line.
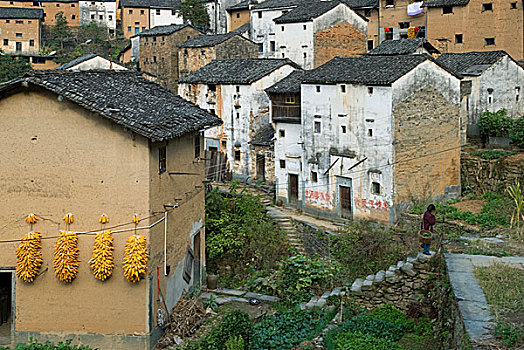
x=345, y=201
x=18, y=47
x=293, y=188
x=261, y=167
x=197, y=260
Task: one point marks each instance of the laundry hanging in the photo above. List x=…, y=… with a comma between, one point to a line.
x=415, y=8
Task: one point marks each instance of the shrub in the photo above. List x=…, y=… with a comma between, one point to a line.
x=491, y=154
x=235, y=343
x=288, y=328
x=510, y=334
x=367, y=324
x=391, y=314
x=36, y=345
x=359, y=341
x=495, y=124
x=517, y=132
x=234, y=324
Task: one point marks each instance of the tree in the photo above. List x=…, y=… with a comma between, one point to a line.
x=60, y=30
x=12, y=67
x=195, y=12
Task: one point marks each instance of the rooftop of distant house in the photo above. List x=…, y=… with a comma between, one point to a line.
x=164, y=30
x=243, y=5
x=471, y=63
x=370, y=70
x=403, y=47
x=84, y=58
x=445, y=3
x=263, y=136
x=277, y=4
x=21, y=13
x=125, y=98
x=166, y=4
x=236, y=71
x=205, y=40
x=307, y=11
x=242, y=29
x=288, y=85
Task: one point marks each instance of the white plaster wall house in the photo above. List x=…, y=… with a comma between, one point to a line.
x=217, y=11
x=101, y=12
x=285, y=116
x=161, y=14
x=233, y=89
x=299, y=33
x=92, y=61
x=369, y=128
x=263, y=27
x=492, y=80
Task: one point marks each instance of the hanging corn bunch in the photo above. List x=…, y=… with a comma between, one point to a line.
x=68, y=218
x=66, y=261
x=102, y=261
x=29, y=257
x=31, y=218
x=411, y=33
x=136, y=219
x=135, y=258
x=104, y=219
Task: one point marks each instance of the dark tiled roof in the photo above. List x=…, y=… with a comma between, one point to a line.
x=236, y=71
x=19, y=12
x=470, y=63
x=125, y=98
x=263, y=136
x=307, y=11
x=361, y=4
x=207, y=40
x=164, y=30
x=243, y=5
x=371, y=70
x=271, y=4
x=402, y=47
x=442, y=3
x=83, y=59
x=288, y=85
x=168, y=4
x=242, y=29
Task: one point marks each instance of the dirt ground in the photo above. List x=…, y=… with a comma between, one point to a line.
x=472, y=205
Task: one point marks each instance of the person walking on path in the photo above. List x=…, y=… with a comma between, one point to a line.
x=426, y=229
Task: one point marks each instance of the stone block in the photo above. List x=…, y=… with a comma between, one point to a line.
x=263, y=297
x=356, y=287
x=380, y=276
x=326, y=295
x=407, y=268
x=321, y=303
x=400, y=264
x=367, y=285
x=335, y=292
x=232, y=292
x=370, y=277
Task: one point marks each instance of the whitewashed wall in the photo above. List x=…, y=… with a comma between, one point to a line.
x=288, y=148
x=106, y=9
x=263, y=30
x=164, y=17
x=97, y=63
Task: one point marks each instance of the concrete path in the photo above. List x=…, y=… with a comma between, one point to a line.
x=478, y=319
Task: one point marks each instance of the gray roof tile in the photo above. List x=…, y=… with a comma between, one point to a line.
x=442, y=3
x=307, y=11
x=83, y=59
x=288, y=85
x=243, y=5
x=208, y=40
x=168, y=4
x=369, y=70
x=470, y=63
x=125, y=98
x=236, y=71
x=402, y=47
x=361, y=4
x=263, y=136
x=164, y=30
x=272, y=4
x=22, y=13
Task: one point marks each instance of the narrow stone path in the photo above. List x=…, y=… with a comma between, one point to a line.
x=476, y=313
x=286, y=224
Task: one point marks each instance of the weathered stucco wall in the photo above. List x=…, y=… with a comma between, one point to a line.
x=58, y=158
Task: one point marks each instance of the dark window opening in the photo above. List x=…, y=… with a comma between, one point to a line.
x=282, y=133
x=343, y=89
x=237, y=155
x=272, y=46
x=403, y=25
x=212, y=87
x=489, y=41
x=260, y=47
x=162, y=160
x=513, y=5
x=375, y=188
x=238, y=15
x=290, y=99
x=343, y=127
x=367, y=12
x=487, y=7
x=370, y=90
x=318, y=128
x=282, y=163
x=314, y=176
x=388, y=33
x=447, y=10
x=403, y=36
x=197, y=146
x=371, y=44
x=390, y=2
x=318, y=88
x=259, y=13
x=459, y=39
x=370, y=132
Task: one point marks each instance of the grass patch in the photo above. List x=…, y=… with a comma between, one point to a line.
x=491, y=154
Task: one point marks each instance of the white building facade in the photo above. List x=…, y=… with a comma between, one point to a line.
x=160, y=16
x=101, y=12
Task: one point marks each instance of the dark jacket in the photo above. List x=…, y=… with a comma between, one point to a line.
x=428, y=220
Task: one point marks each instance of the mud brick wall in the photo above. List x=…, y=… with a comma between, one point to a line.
x=342, y=40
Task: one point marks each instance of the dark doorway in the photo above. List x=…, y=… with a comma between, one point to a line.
x=345, y=201
x=293, y=188
x=261, y=167
x=6, y=289
x=18, y=46
x=197, y=260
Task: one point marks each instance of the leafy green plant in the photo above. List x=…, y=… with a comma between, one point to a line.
x=195, y=12
x=359, y=341
x=211, y=303
x=391, y=314
x=495, y=124
x=510, y=334
x=517, y=132
x=235, y=343
x=234, y=324
x=516, y=195
x=36, y=345
x=491, y=154
x=12, y=66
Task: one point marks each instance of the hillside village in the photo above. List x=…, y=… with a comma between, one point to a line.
x=261, y=174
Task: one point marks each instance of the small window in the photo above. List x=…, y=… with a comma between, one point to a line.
x=375, y=188
x=158, y=12
x=370, y=90
x=318, y=128
x=390, y=2
x=314, y=176
x=259, y=13
x=19, y=22
x=7, y=21
x=35, y=3
x=343, y=89
x=128, y=29
x=343, y=129
x=370, y=132
x=517, y=93
x=100, y=17
x=238, y=115
x=224, y=145
x=212, y=111
x=73, y=5
x=92, y=16
x=282, y=133
x=272, y=46
x=260, y=47
x=212, y=87
x=162, y=159
x=154, y=39
x=154, y=59
x=137, y=23
x=142, y=12
x=73, y=16
x=238, y=15
x=367, y=12
x=304, y=27
x=57, y=5
x=371, y=44
x=403, y=25
x=173, y=13
x=143, y=28
x=237, y=155
x=388, y=33
x=489, y=41
x=459, y=39
x=283, y=55
x=130, y=12
x=237, y=89
x=32, y=21
x=447, y=10
x=197, y=146
x=513, y=5
x=18, y=35
x=290, y=99
x=282, y=163
x=282, y=28
x=31, y=43
x=318, y=88
x=487, y=7
x=6, y=42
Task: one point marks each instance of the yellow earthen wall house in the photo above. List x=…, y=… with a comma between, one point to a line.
x=134, y=20
x=238, y=15
x=69, y=8
x=20, y=29
x=60, y=157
